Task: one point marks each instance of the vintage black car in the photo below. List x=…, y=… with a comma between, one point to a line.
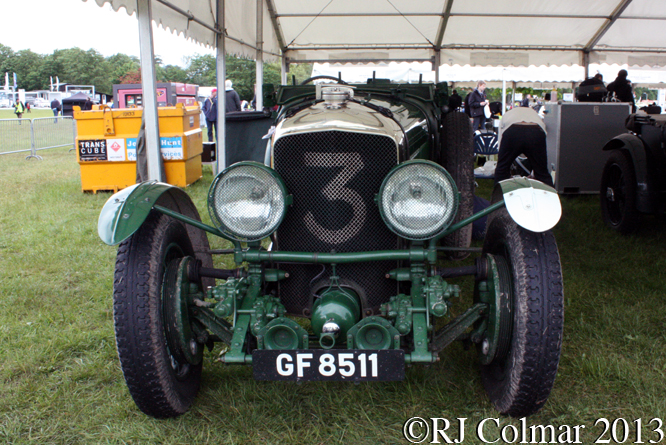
x=337, y=239
x=633, y=181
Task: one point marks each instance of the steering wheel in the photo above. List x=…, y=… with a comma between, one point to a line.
x=323, y=76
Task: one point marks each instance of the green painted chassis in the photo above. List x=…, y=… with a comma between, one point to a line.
x=241, y=300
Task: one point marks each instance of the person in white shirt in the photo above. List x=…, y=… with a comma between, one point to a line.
x=542, y=106
x=522, y=131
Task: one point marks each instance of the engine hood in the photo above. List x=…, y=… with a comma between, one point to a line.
x=351, y=117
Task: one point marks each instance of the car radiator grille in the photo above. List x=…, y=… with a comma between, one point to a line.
x=334, y=177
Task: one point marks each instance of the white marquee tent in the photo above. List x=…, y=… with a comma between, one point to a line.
x=463, y=32
x=474, y=32
x=540, y=77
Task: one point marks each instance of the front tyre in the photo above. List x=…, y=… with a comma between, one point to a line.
x=161, y=385
x=520, y=377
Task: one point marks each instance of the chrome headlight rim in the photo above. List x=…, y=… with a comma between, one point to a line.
x=439, y=228
x=229, y=231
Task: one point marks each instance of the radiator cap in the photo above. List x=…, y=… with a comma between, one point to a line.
x=336, y=96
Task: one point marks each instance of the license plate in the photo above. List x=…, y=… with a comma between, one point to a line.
x=319, y=364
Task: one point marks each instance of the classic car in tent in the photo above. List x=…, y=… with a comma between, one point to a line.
x=344, y=240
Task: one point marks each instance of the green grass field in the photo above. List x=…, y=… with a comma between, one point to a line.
x=60, y=380
x=8, y=113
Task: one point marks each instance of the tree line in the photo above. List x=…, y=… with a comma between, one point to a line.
x=80, y=67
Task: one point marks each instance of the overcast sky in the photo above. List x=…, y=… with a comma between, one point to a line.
x=46, y=25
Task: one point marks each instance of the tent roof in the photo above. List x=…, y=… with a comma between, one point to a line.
x=462, y=32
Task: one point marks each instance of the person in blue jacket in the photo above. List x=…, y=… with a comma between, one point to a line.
x=210, y=111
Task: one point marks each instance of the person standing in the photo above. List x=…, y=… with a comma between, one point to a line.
x=19, y=109
x=455, y=101
x=542, y=106
x=591, y=89
x=55, y=106
x=522, y=132
x=526, y=101
x=253, y=102
x=621, y=86
x=232, y=98
x=210, y=112
x=477, y=101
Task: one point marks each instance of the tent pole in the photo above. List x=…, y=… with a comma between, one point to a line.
x=221, y=70
x=284, y=70
x=436, y=64
x=513, y=95
x=586, y=64
x=260, y=56
x=503, y=91
x=145, y=16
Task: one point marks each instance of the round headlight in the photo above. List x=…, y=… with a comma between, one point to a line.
x=247, y=201
x=418, y=200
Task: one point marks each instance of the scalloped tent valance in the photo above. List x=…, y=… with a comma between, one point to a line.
x=461, y=32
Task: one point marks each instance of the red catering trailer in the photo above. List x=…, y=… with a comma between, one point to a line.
x=131, y=95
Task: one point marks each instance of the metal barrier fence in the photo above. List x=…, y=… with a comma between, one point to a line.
x=32, y=135
x=15, y=136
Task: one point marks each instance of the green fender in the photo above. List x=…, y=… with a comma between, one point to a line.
x=636, y=149
x=125, y=211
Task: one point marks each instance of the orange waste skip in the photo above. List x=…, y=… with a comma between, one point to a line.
x=106, y=146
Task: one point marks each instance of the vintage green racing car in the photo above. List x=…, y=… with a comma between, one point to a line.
x=363, y=186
